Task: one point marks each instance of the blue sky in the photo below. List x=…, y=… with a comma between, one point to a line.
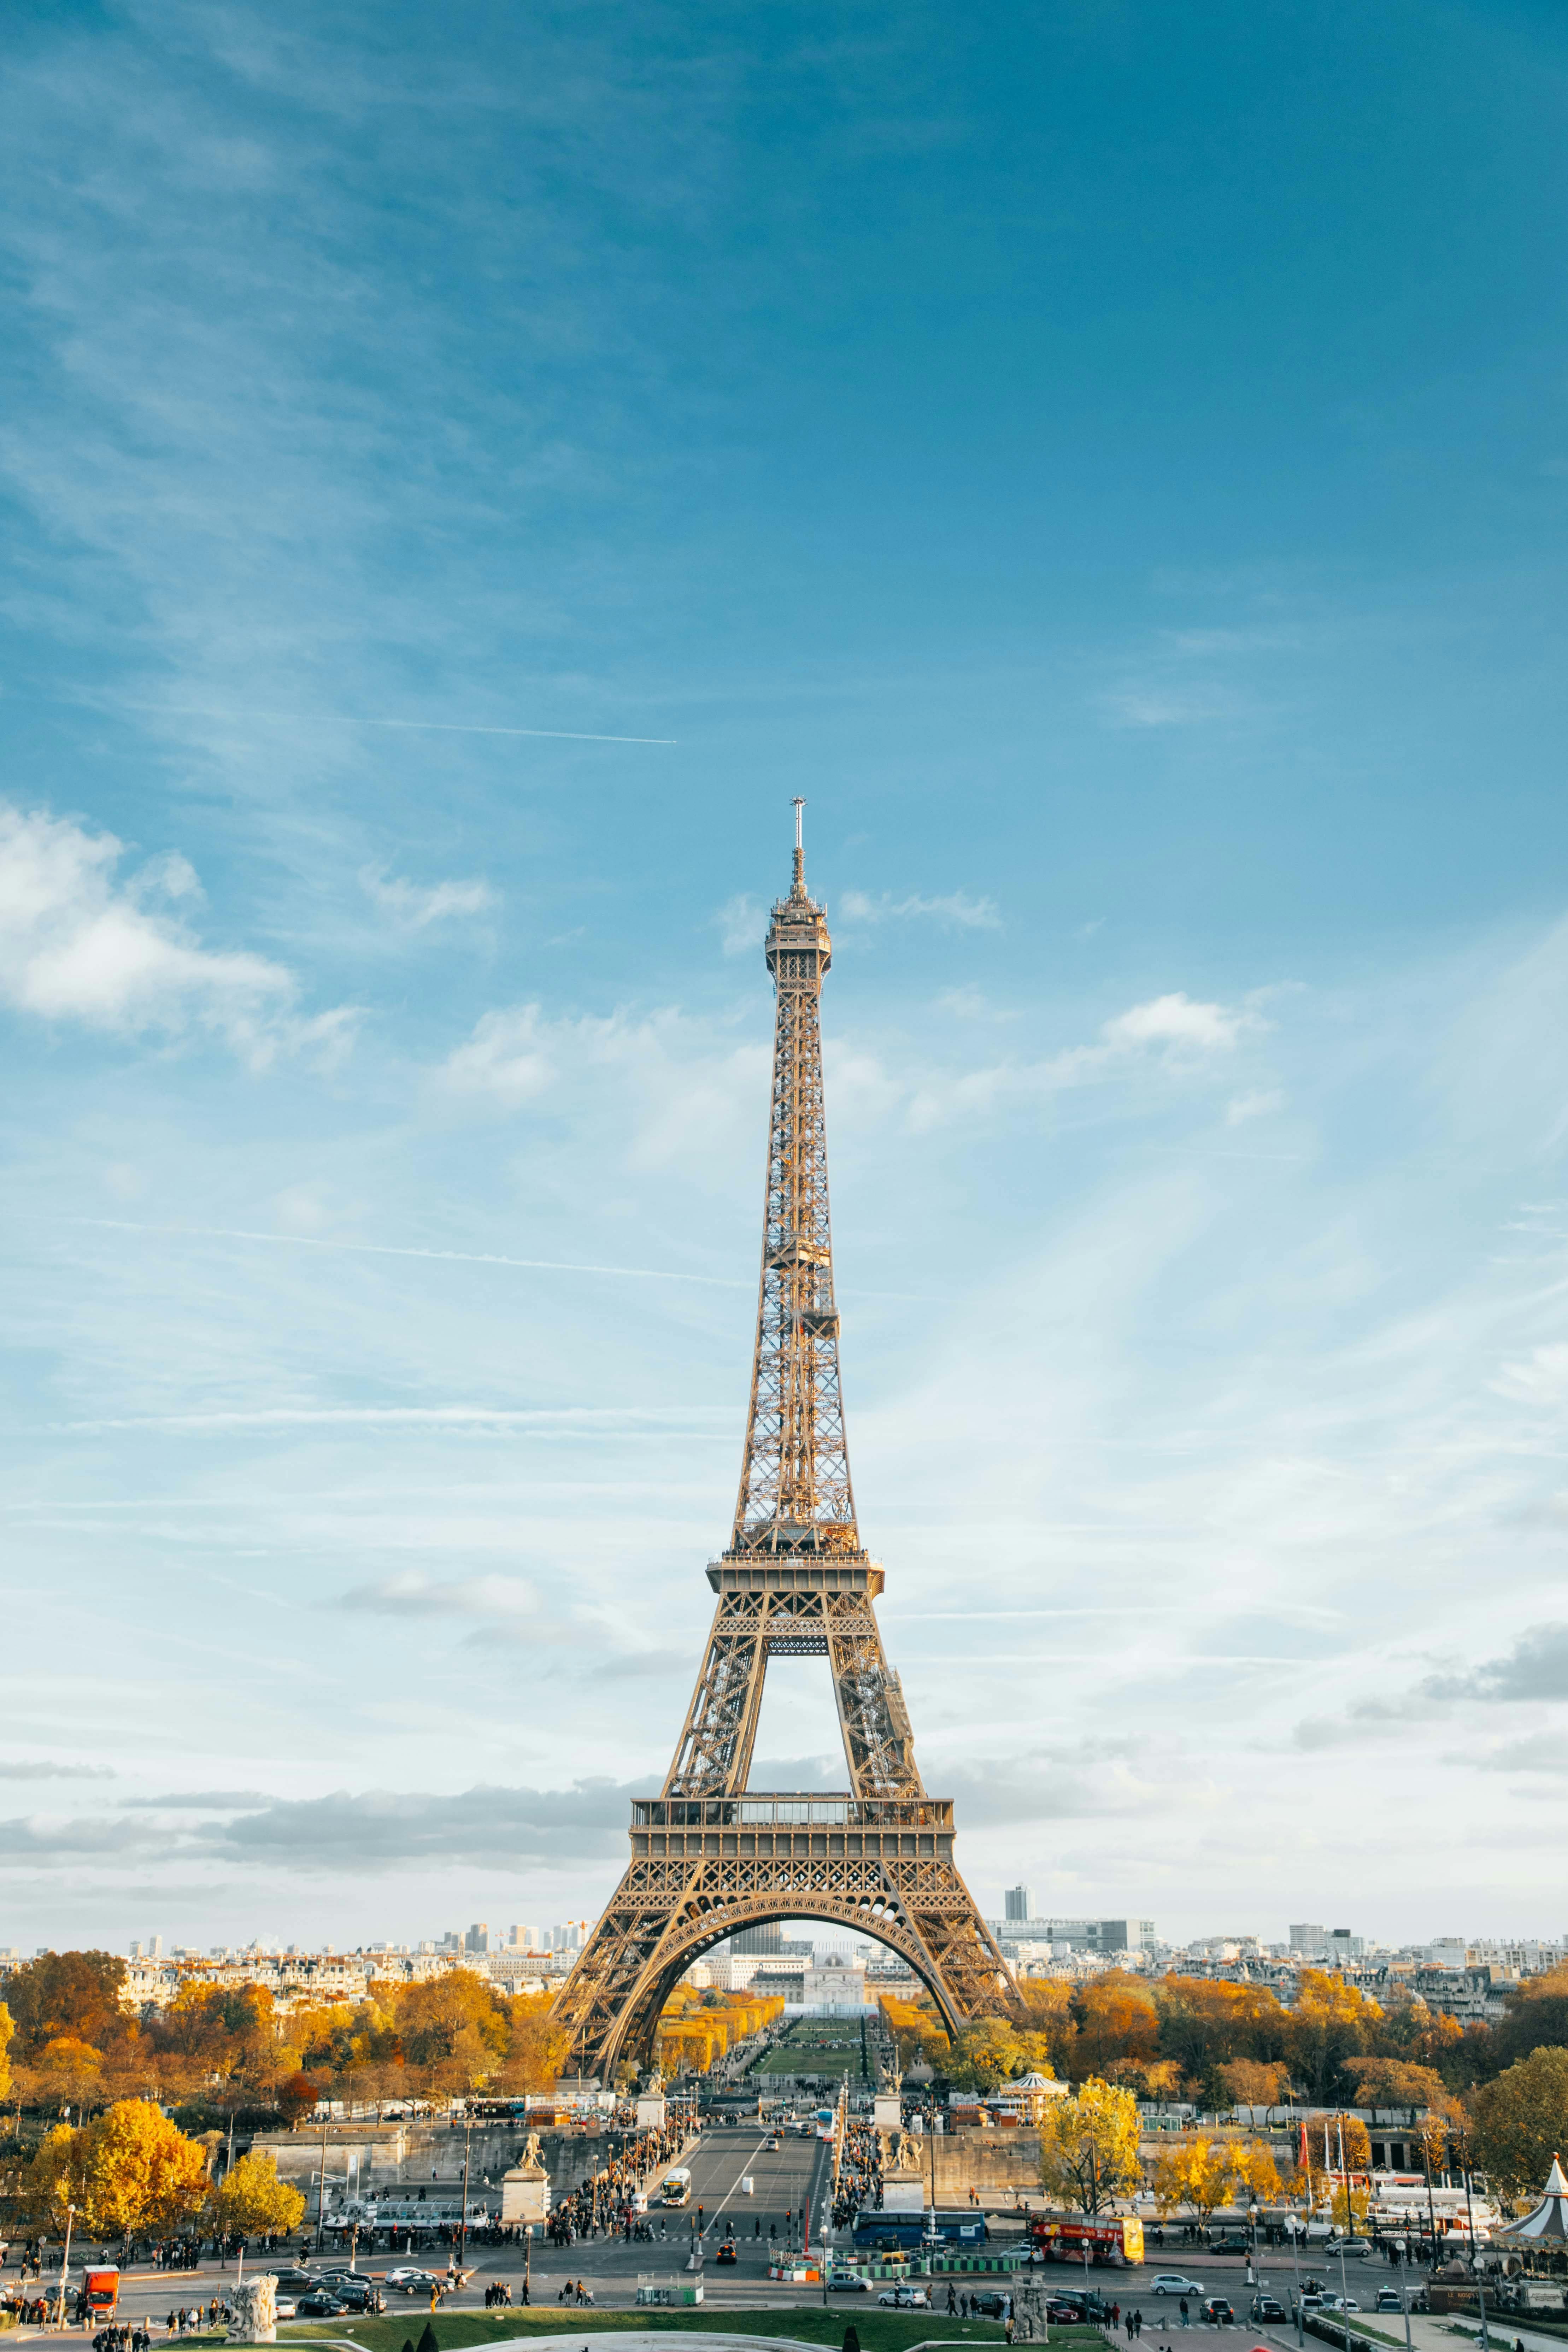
x=462, y=474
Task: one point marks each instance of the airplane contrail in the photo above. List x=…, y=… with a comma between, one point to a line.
x=388, y=1249
x=421, y=726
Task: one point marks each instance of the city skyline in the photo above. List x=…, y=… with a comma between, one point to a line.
x=1110, y=474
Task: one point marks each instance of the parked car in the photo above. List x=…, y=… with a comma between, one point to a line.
x=1265, y=2306
x=410, y=2280
x=1354, y=2246
x=295, y=2280
x=1216, y=2311
x=1172, y=2283
x=1083, y=2306
x=905, y=2298
x=990, y=2304
x=1389, y=2299
x=1336, y=2303
x=1065, y=2315
x=358, y=2293
x=320, y=2305
x=848, y=2283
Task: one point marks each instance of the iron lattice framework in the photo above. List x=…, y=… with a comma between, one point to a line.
x=711, y=1856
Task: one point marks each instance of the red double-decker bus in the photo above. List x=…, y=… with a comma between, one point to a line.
x=1104, y=2237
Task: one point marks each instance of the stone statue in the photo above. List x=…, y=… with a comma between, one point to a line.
x=909, y=2153
x=254, y=2303
x=531, y=2159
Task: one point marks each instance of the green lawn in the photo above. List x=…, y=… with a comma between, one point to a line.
x=792, y=2060
x=879, y=2331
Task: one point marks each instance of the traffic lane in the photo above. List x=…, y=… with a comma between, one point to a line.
x=781, y=2180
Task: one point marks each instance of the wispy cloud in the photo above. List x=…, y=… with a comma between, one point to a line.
x=502, y=1828
x=416, y=907
x=743, y=924
x=395, y=1249
x=411, y=1594
x=1535, y=1669
x=957, y=910
x=14, y=1770
x=1180, y=1034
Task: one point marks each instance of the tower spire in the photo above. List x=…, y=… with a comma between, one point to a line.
x=795, y=1492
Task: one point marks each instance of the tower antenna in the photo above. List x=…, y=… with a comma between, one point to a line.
x=799, y=847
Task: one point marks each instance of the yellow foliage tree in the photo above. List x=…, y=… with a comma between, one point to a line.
x=143, y=2173
x=537, y=2048
x=6, y=2030
x=1331, y=2021
x=1327, y=2135
x=1198, y=2175
x=251, y=2201
x=1348, y=2206
x=453, y=2029
x=1257, y=2172
x=1089, y=2147
x=130, y=2170
x=1254, y=2081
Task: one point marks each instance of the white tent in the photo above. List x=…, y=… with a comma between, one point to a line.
x=1548, y=2225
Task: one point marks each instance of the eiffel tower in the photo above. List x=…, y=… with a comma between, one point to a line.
x=709, y=1854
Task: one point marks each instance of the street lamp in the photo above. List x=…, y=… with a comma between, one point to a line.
x=65, y=2264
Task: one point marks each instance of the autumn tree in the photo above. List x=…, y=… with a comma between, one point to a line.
x=453, y=2029
x=7, y=2030
x=68, y=2072
x=916, y=2032
x=1197, y=2174
x=1117, y=2024
x=1521, y=2121
x=1254, y=2082
x=251, y=2201
x=1330, y=2022
x=1329, y=2137
x=1089, y=2147
x=1046, y=2009
x=1256, y=2171
x=1205, y=2024
x=1535, y=2017
x=536, y=2048
x=131, y=2170
x=1397, y=2083
x=69, y=1995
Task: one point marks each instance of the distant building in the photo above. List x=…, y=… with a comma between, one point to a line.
x=1311, y=1941
x=835, y=1988
x=1019, y=1904
x=1098, y=1936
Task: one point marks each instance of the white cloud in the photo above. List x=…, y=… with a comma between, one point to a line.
x=1175, y=1020
x=416, y=908
x=1189, y=1032
x=664, y=1089
x=409, y=1593
x=958, y=909
x=1241, y=1107
x=743, y=924
x=505, y=1057
x=77, y=945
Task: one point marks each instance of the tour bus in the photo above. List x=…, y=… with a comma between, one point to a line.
x=1109, y=2238
x=884, y=2232
x=825, y=2125
x=676, y=2186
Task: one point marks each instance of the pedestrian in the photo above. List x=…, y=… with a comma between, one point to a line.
x=1185, y=2311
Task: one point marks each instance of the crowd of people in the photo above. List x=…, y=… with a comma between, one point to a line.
x=603, y=2204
